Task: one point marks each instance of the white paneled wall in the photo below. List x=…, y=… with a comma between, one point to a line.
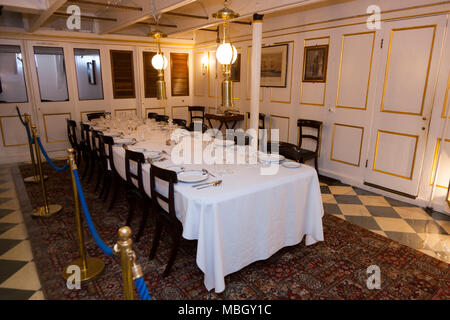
x=382, y=102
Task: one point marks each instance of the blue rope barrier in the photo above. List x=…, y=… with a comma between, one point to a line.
x=25, y=125
x=142, y=288
x=63, y=168
x=106, y=250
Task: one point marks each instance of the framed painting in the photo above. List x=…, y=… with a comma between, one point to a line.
x=236, y=69
x=315, y=60
x=274, y=66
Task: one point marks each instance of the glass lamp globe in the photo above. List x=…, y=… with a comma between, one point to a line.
x=226, y=53
x=159, y=61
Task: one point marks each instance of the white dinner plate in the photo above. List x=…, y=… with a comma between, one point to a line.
x=177, y=169
x=290, y=164
x=192, y=176
x=223, y=143
x=153, y=154
x=270, y=157
x=99, y=128
x=139, y=150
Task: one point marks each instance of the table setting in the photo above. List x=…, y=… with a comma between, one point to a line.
x=236, y=213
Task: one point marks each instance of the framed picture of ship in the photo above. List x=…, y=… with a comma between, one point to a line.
x=274, y=66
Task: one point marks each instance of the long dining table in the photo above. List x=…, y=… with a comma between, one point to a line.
x=249, y=217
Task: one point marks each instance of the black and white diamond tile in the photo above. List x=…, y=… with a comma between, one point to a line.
x=18, y=275
x=400, y=221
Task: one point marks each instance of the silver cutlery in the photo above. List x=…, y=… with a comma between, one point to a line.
x=215, y=184
x=205, y=183
x=207, y=172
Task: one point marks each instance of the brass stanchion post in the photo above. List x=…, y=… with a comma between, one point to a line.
x=35, y=178
x=123, y=248
x=89, y=267
x=47, y=209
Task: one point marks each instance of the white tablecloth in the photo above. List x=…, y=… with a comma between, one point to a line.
x=246, y=219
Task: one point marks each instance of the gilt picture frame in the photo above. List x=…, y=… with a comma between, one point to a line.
x=315, y=61
x=274, y=66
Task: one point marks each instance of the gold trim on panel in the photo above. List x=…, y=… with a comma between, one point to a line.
x=261, y=98
x=209, y=74
x=376, y=153
x=340, y=70
x=83, y=112
x=156, y=108
x=292, y=73
x=195, y=73
x=444, y=108
x=433, y=170
x=360, y=146
x=428, y=70
x=324, y=83
x=171, y=109
x=115, y=111
x=3, y=134
x=281, y=117
x=45, y=125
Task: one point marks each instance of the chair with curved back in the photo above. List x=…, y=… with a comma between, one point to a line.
x=152, y=115
x=161, y=118
x=95, y=143
x=111, y=177
x=72, y=136
x=165, y=217
x=193, y=114
x=86, y=149
x=136, y=194
x=95, y=115
x=306, y=154
x=180, y=122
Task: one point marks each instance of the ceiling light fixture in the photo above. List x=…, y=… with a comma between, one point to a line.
x=226, y=54
x=159, y=62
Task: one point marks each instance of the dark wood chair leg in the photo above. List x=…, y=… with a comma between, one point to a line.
x=316, y=165
x=131, y=207
x=108, y=182
x=116, y=186
x=173, y=254
x=86, y=166
x=156, y=238
x=145, y=214
x=92, y=167
x=99, y=178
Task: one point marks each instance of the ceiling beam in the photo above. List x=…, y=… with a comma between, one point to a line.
x=108, y=5
x=63, y=14
x=187, y=15
x=130, y=18
x=158, y=24
x=43, y=17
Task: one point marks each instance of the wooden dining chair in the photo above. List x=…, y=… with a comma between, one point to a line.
x=180, y=122
x=165, y=217
x=306, y=154
x=161, y=118
x=152, y=115
x=136, y=194
x=112, y=177
x=73, y=140
x=262, y=118
x=194, y=116
x=95, y=143
x=86, y=149
x=94, y=115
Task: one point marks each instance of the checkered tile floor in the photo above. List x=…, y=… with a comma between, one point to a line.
x=18, y=276
x=400, y=221
x=397, y=220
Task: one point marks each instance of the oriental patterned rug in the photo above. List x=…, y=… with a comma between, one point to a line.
x=333, y=269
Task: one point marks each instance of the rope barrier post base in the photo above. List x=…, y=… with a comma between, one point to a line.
x=32, y=179
x=47, y=209
x=89, y=267
x=94, y=267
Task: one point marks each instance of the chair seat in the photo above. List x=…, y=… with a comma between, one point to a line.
x=291, y=151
